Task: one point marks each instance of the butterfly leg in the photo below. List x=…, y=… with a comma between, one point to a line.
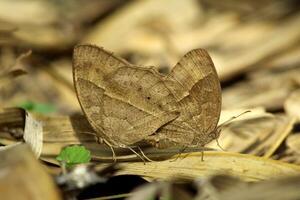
x=202, y=153
x=113, y=153
x=146, y=157
x=215, y=135
x=179, y=153
x=101, y=141
x=131, y=149
x=112, y=149
x=219, y=145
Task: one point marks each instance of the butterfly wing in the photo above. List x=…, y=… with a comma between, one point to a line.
x=194, y=83
x=122, y=102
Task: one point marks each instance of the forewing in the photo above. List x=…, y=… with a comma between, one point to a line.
x=195, y=84
x=123, y=103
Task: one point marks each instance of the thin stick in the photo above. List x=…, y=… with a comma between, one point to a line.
x=117, y=196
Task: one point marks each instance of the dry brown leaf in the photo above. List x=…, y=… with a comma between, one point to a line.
x=62, y=70
x=246, y=167
x=23, y=177
x=260, y=136
x=292, y=104
x=160, y=39
x=33, y=134
x=289, y=58
x=265, y=88
x=136, y=17
x=282, y=127
x=13, y=70
x=160, y=190
x=16, y=123
x=293, y=142
x=26, y=89
x=282, y=38
x=56, y=30
x=292, y=153
x=58, y=132
x=230, y=188
x=126, y=104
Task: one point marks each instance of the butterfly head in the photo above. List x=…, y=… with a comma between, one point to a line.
x=202, y=140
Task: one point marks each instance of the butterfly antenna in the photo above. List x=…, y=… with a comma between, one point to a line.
x=233, y=118
x=227, y=122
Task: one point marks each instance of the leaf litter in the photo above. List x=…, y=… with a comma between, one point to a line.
x=257, y=154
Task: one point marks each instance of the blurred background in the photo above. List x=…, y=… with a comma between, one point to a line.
x=255, y=46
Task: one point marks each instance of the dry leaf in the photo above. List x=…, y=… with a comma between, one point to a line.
x=260, y=135
x=265, y=88
x=23, y=177
x=293, y=142
x=292, y=104
x=16, y=123
x=155, y=36
x=222, y=187
x=292, y=152
x=134, y=19
x=246, y=167
x=25, y=88
x=8, y=73
x=160, y=190
x=125, y=103
x=59, y=132
x=33, y=134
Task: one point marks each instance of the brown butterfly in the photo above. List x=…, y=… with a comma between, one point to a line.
x=125, y=103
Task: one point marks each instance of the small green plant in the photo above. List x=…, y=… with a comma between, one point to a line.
x=72, y=155
x=37, y=107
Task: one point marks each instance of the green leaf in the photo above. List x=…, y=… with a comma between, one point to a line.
x=37, y=107
x=73, y=155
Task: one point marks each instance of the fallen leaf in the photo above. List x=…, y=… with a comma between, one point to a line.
x=19, y=124
x=23, y=177
x=246, y=167
x=292, y=104
x=260, y=134
x=275, y=189
x=293, y=142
